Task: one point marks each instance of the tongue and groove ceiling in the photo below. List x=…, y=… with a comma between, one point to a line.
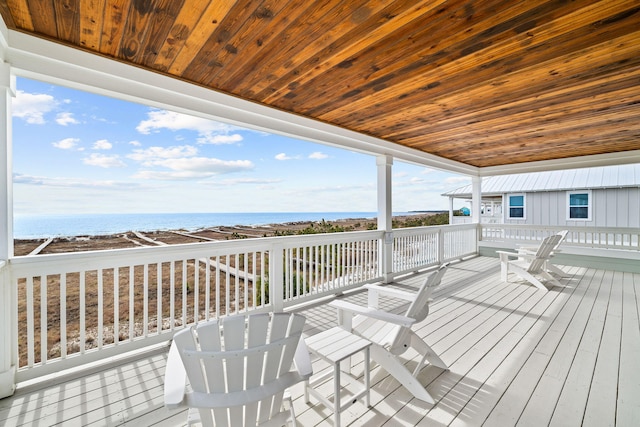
x=485, y=83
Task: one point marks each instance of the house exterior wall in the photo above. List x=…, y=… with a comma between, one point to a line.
x=612, y=207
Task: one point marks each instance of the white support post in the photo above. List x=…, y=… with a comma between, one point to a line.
x=450, y=210
x=8, y=297
x=476, y=199
x=385, y=213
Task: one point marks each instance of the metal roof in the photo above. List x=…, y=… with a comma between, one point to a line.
x=571, y=179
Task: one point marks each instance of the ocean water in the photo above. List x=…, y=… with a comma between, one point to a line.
x=40, y=226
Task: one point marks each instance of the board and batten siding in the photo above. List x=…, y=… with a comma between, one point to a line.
x=611, y=207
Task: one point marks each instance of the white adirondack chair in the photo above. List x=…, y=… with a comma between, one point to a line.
x=550, y=267
x=391, y=334
x=531, y=265
x=238, y=368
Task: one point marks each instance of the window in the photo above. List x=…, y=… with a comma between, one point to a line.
x=579, y=205
x=516, y=206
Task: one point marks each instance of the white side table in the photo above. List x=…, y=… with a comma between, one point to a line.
x=334, y=346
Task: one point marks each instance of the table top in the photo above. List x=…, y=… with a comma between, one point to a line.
x=336, y=344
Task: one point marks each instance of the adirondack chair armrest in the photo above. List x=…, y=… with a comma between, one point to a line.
x=504, y=256
x=391, y=292
x=354, y=309
x=175, y=380
x=302, y=360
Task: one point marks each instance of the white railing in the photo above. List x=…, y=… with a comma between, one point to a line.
x=324, y=264
x=80, y=307
x=77, y=308
x=422, y=247
x=585, y=237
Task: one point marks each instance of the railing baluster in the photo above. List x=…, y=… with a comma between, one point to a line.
x=185, y=284
x=160, y=317
x=207, y=289
x=236, y=280
x=100, y=308
x=83, y=325
x=145, y=307
x=254, y=267
x=217, y=286
x=43, y=320
x=116, y=305
x=196, y=290
x=30, y=323
x=63, y=315
x=172, y=295
x=132, y=318
x=262, y=277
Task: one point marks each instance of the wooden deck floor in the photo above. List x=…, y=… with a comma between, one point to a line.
x=517, y=356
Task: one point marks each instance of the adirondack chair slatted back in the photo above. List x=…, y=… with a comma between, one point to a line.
x=239, y=359
x=544, y=252
x=418, y=310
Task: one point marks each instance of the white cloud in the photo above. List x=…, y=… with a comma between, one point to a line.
x=209, y=131
x=150, y=155
x=194, y=168
x=317, y=155
x=66, y=144
x=209, y=138
x=31, y=107
x=135, y=143
x=103, y=161
x=206, y=165
x=64, y=119
x=183, y=163
x=284, y=156
x=102, y=144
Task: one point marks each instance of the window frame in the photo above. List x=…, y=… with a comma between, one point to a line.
x=588, y=206
x=523, y=207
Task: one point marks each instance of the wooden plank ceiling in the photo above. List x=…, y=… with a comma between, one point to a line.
x=485, y=83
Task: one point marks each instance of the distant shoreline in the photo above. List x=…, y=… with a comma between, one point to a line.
x=44, y=226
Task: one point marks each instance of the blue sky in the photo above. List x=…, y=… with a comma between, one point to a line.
x=76, y=152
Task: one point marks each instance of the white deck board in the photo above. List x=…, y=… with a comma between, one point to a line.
x=601, y=404
x=628, y=408
x=517, y=356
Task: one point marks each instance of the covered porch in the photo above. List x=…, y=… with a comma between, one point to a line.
x=474, y=88
x=517, y=356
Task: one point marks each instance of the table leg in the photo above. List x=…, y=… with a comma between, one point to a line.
x=366, y=376
x=336, y=395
